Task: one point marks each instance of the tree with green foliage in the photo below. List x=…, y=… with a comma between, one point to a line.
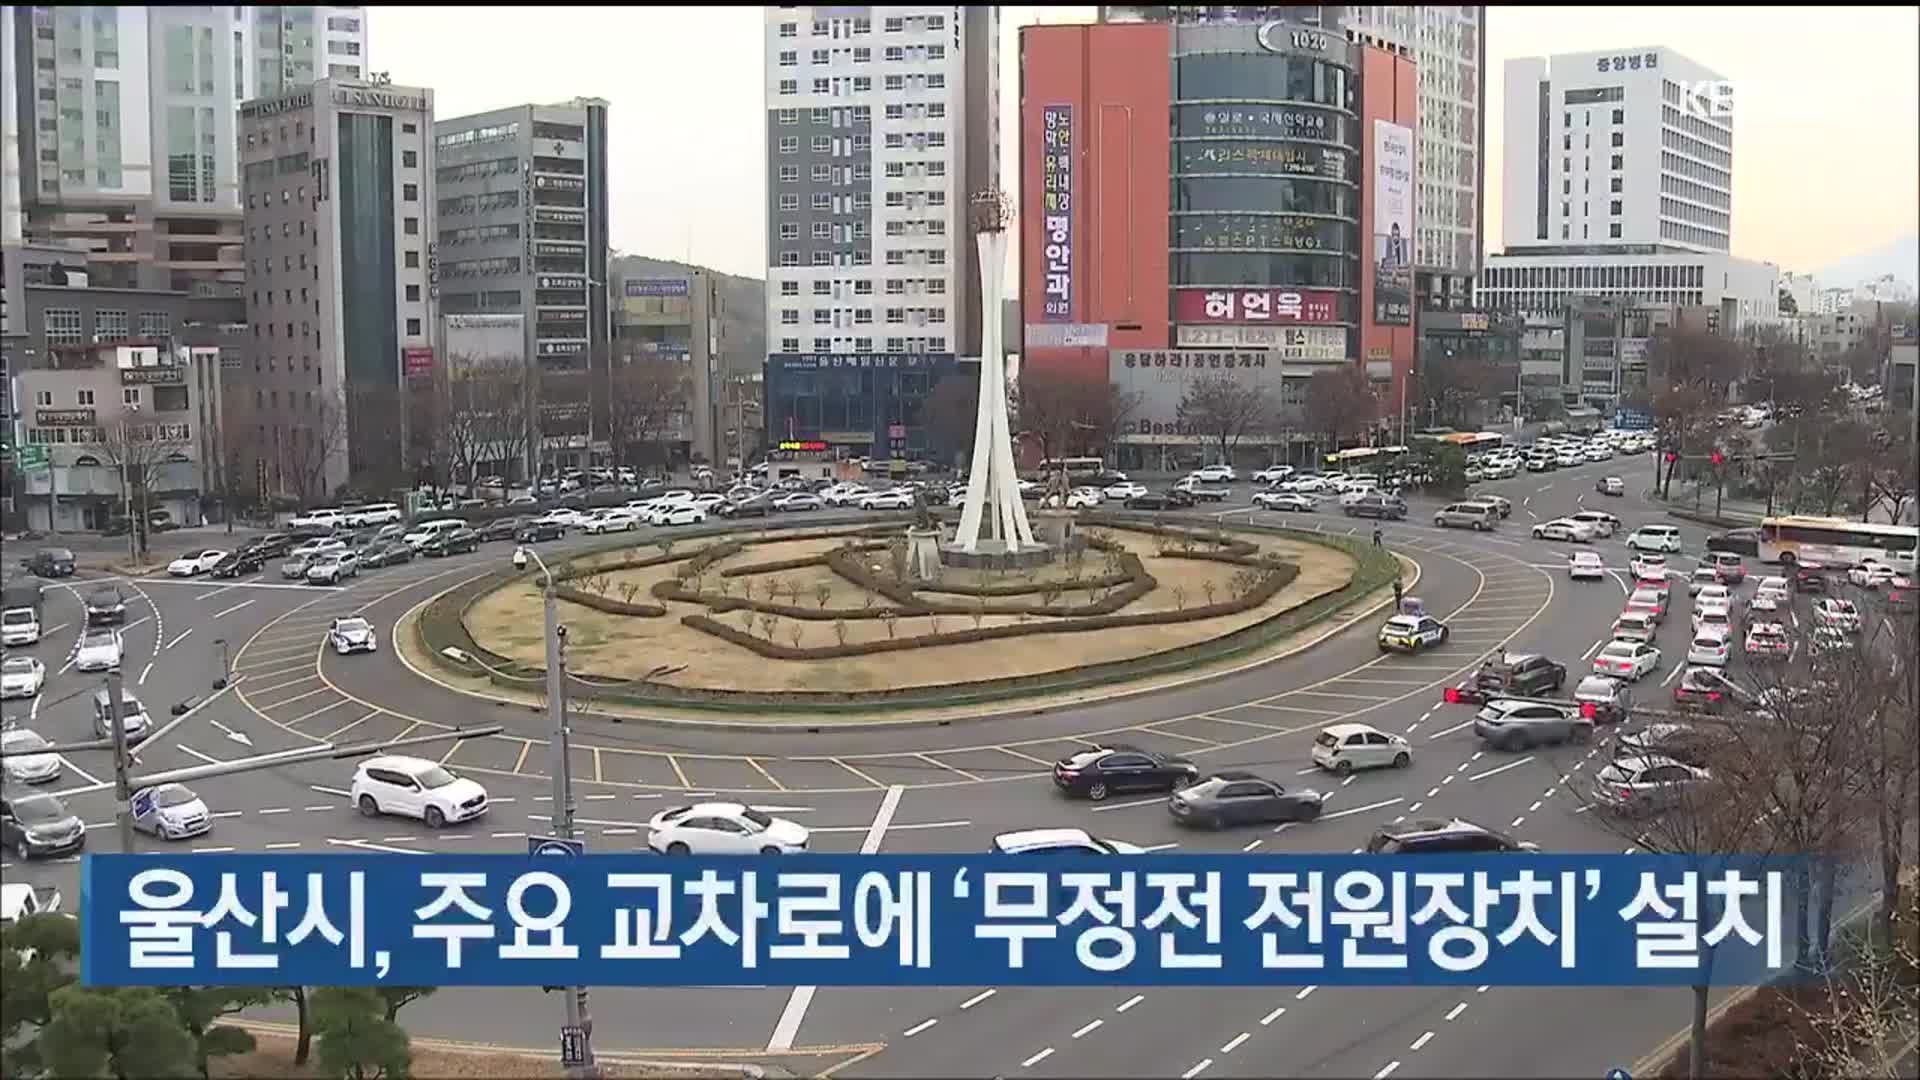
x=202, y=1007
x=38, y=955
x=357, y=1042
x=1445, y=465
x=118, y=1032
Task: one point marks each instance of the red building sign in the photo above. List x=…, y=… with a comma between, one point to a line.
x=1256, y=305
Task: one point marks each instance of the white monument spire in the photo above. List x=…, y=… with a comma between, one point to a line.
x=993, y=519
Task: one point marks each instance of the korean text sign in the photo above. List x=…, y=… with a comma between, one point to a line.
x=944, y=920
x=1056, y=212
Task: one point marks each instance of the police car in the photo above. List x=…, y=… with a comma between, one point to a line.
x=1411, y=633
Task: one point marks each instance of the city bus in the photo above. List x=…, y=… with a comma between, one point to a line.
x=1825, y=541
x=1473, y=442
x=1077, y=468
x=1365, y=457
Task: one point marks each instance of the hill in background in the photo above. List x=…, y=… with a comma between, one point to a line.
x=743, y=331
x=1901, y=258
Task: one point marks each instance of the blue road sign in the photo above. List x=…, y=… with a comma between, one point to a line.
x=553, y=845
x=143, y=802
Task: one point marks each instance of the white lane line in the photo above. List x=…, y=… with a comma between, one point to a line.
x=1414, y=809
x=282, y=845
x=1129, y=805
x=1676, y=670
x=1197, y=1069
x=1130, y=1003
x=1234, y=1042
x=1272, y=1016
x=1304, y=991
x=1308, y=771
x=1251, y=845
x=331, y=791
x=1388, y=1071
x=1477, y=755
x=1454, y=1012
x=275, y=810
x=1591, y=649
x=1347, y=781
x=84, y=774
x=1037, y=1058
x=179, y=637
x=191, y=752
x=918, y=1028
x=977, y=999
x=1443, y=732
x=1088, y=1027
x=144, y=672
x=227, y=813
x=897, y=828
x=1396, y=800
x=371, y=846
x=1498, y=769
x=1423, y=1040
x=1149, y=848
x=788, y=1027
x=1536, y=805
x=231, y=610
x=222, y=850
x=1517, y=821
x=1431, y=792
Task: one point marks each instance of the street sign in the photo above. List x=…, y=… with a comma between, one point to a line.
x=143, y=802
x=573, y=1047
x=553, y=845
x=33, y=458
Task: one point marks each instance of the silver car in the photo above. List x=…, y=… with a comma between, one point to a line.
x=24, y=761
x=98, y=651
x=171, y=812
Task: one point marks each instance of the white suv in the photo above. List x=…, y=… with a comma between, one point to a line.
x=1655, y=538
x=416, y=787
x=325, y=517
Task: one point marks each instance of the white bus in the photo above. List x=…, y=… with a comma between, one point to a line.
x=1825, y=541
x=1077, y=468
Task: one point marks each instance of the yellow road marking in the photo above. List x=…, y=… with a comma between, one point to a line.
x=943, y=765
x=297, y=697
x=452, y=750
x=857, y=772
x=678, y=771
x=336, y=733
x=317, y=712
x=407, y=732
x=519, y=762
x=283, y=685
x=777, y=785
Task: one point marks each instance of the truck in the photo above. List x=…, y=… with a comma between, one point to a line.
x=20, y=614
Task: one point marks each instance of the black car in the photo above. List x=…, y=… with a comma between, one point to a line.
x=49, y=562
x=1809, y=578
x=1174, y=499
x=1376, y=505
x=532, y=532
x=447, y=543
x=1099, y=771
x=1432, y=836
x=247, y=560
x=1739, y=541
x=1514, y=675
x=37, y=823
x=758, y=506
x=500, y=529
x=1235, y=798
x=388, y=553
x=106, y=604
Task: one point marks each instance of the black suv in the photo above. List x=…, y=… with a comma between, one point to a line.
x=50, y=562
x=1171, y=499
x=1515, y=675
x=500, y=529
x=106, y=604
x=1376, y=504
x=532, y=532
x=1099, y=771
x=249, y=559
x=1739, y=541
x=447, y=543
x=1432, y=836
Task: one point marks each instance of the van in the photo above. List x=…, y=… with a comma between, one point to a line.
x=429, y=530
x=1467, y=515
x=133, y=716
x=1664, y=538
x=375, y=514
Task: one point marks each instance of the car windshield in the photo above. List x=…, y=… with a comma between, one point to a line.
x=104, y=598
x=758, y=820
x=39, y=809
x=434, y=777
x=174, y=795
x=1709, y=642
x=352, y=626
x=1617, y=650
x=17, y=665
x=23, y=742
x=1085, y=758
x=59, y=554
x=96, y=640
x=1402, y=625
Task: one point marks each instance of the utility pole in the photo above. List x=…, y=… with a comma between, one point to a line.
x=122, y=791
x=576, y=997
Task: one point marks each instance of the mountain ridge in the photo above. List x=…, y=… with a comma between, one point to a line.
x=1899, y=257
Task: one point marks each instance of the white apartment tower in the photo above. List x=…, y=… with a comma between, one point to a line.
x=1602, y=151
x=881, y=122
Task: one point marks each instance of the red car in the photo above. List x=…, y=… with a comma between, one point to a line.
x=1900, y=593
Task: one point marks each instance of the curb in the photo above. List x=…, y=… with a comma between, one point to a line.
x=1363, y=609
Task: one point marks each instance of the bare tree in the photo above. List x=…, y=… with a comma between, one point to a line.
x=646, y=393
x=1339, y=404
x=1223, y=410
x=310, y=449
x=1068, y=412
x=486, y=416
x=140, y=449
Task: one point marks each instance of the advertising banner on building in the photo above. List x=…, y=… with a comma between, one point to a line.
x=1392, y=224
x=655, y=286
x=486, y=341
x=1257, y=305
x=1309, y=344
x=418, y=360
x=1056, y=228
x=1066, y=335
x=1273, y=159
x=1157, y=379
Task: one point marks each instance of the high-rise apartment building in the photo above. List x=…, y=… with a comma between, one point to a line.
x=338, y=186
x=521, y=229
x=119, y=135
x=881, y=124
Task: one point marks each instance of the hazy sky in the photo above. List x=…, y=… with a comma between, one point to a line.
x=1826, y=145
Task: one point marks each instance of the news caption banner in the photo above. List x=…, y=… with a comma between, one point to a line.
x=935, y=920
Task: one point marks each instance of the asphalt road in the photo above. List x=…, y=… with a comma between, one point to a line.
x=957, y=784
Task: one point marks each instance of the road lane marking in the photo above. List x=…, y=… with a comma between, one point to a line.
x=84, y=774
x=1272, y=1016
x=275, y=810
x=1304, y=991
x=1038, y=1058
x=1128, y=805
x=1251, y=845
x=1197, y=1069
x=179, y=637
x=283, y=845
x=1517, y=821
x=1361, y=810
x=1432, y=735
x=331, y=791
x=678, y=772
x=1021, y=756
x=1456, y=1011
x=977, y=999
x=1235, y=1042
x=1131, y=1002
x=1498, y=769
x=1388, y=1071
x=231, y=610
x=1175, y=734
x=455, y=748
x=337, y=732
x=836, y=761
x=919, y=1027
x=931, y=761
x=191, y=752
x=1088, y=1027
x=317, y=712
x=526, y=745
x=757, y=767
x=1159, y=847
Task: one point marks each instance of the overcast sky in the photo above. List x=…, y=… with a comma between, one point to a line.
x=1826, y=150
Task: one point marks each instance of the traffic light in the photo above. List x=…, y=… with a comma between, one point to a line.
x=1719, y=459
x=1672, y=457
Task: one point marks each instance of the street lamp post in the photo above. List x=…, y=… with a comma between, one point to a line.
x=122, y=790
x=556, y=636
x=126, y=486
x=226, y=674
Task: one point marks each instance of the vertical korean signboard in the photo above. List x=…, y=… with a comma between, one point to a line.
x=1056, y=229
x=1392, y=224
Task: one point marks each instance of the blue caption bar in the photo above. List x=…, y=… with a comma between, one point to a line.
x=934, y=920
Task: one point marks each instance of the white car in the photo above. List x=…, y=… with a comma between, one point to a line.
x=1305, y=485
x=1648, y=567
x=1125, y=489
x=1701, y=578
x=676, y=514
x=1769, y=599
x=723, y=829
x=1627, y=660
x=1585, y=565
x=376, y=514
x=351, y=635
x=1663, y=538
x=1611, y=485
x=415, y=787
x=331, y=569
x=26, y=762
x=1631, y=784
x=1713, y=620
x=1058, y=842
x=1711, y=646
x=1077, y=499
x=1837, y=613
x=564, y=516
x=1285, y=500
x=19, y=626
x=1602, y=523
x=171, y=812
x=1563, y=529
x=1829, y=639
x=1215, y=474
x=896, y=499
x=325, y=517
x=843, y=494
x=797, y=501
x=21, y=677
x=1342, y=748
x=98, y=650
x=1711, y=595
x=1273, y=474
x=613, y=519
x=1871, y=574
x=195, y=562
x=708, y=500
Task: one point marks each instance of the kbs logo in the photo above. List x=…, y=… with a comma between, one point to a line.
x=1706, y=99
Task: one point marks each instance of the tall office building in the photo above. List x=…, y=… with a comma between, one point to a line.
x=521, y=229
x=1448, y=46
x=119, y=133
x=338, y=188
x=881, y=124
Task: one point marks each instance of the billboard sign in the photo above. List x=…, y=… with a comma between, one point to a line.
x=1309, y=344
x=1257, y=306
x=655, y=287
x=1056, y=220
x=418, y=361
x=1158, y=379
x=1392, y=224
x=1066, y=335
